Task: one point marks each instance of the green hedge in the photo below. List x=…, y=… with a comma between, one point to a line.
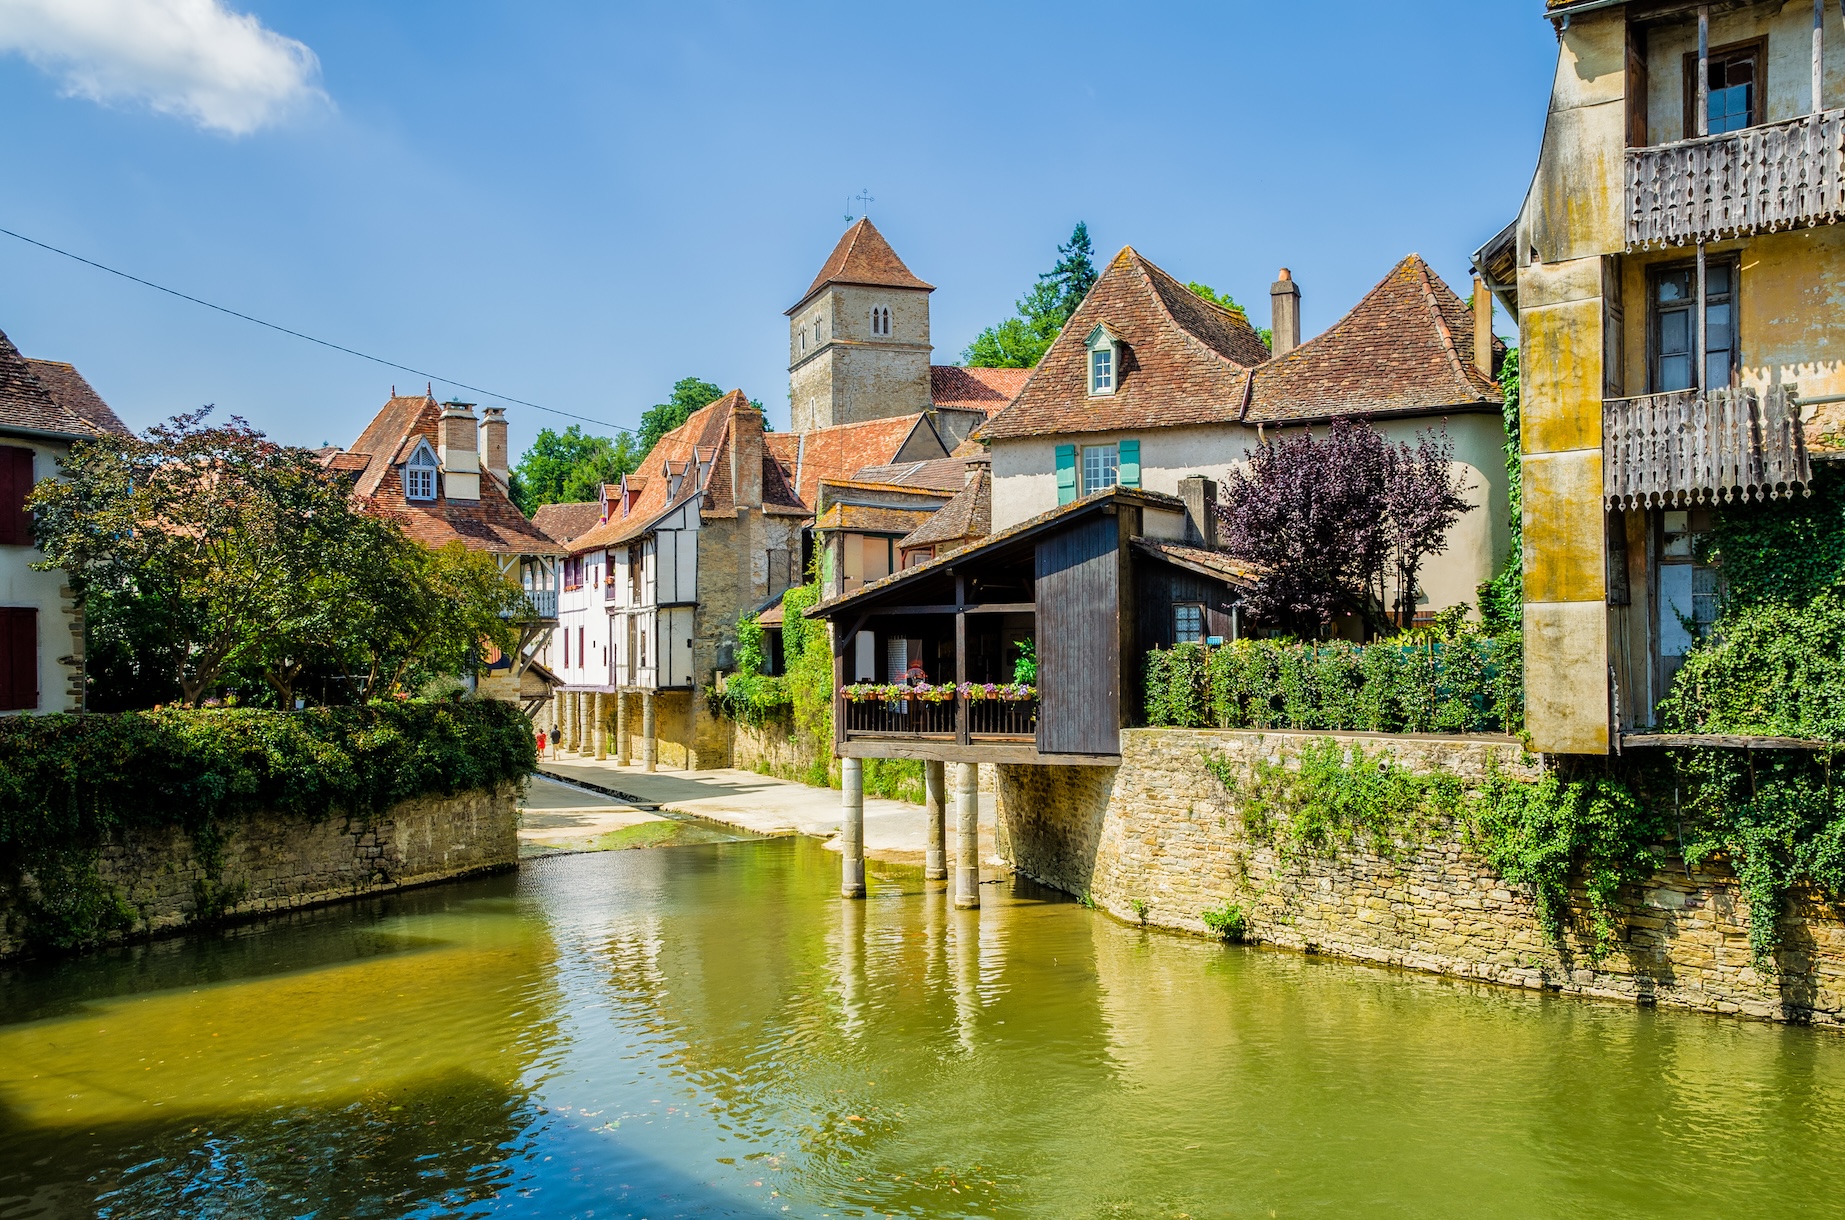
x=1470, y=684
x=67, y=782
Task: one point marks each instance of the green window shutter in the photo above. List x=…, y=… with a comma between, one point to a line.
x=1128, y=464
x=1066, y=474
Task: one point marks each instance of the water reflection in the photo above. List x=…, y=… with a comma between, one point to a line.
x=710, y=1031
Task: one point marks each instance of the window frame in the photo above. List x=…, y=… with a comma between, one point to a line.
x=1758, y=101
x=1204, y=629
x=1659, y=271
x=1113, y=449
x=1102, y=343
x=420, y=462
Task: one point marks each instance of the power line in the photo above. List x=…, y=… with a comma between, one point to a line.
x=390, y=364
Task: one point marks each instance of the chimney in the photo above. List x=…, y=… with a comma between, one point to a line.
x=1482, y=328
x=493, y=441
x=1284, y=301
x=1200, y=496
x=977, y=466
x=746, y=455
x=456, y=436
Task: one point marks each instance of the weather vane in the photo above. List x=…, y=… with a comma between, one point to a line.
x=865, y=198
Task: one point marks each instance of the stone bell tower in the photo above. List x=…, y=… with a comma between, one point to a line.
x=858, y=339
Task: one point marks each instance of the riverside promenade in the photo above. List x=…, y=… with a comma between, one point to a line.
x=601, y=805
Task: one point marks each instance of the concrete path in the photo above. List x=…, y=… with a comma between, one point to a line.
x=894, y=830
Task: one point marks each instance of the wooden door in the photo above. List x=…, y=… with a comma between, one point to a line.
x=1079, y=640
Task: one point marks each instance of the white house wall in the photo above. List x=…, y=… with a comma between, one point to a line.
x=1025, y=484
x=20, y=586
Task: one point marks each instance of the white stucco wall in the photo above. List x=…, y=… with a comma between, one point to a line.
x=21, y=586
x=1025, y=484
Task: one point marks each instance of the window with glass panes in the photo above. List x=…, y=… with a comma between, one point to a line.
x=1187, y=623
x=1673, y=326
x=1102, y=370
x=1101, y=467
x=1735, y=75
x=420, y=479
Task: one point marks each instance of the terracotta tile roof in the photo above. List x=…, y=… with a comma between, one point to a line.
x=873, y=519
x=1211, y=563
x=841, y=451
x=492, y=523
x=70, y=390
x=566, y=522
x=704, y=438
x=1183, y=360
x=1407, y=347
x=27, y=402
x=963, y=520
x=968, y=449
x=1010, y=534
x=942, y=474
x=989, y=390
x=863, y=257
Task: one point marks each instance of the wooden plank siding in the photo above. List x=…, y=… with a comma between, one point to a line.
x=1078, y=594
x=1161, y=586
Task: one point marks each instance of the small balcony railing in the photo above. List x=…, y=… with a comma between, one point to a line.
x=540, y=605
x=1002, y=718
x=975, y=713
x=1696, y=446
x=900, y=718
x=1776, y=176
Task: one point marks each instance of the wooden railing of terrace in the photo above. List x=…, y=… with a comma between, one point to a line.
x=1762, y=179
x=1699, y=446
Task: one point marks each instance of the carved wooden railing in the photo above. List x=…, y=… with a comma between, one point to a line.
x=1776, y=176
x=540, y=604
x=1695, y=446
x=1002, y=717
x=903, y=718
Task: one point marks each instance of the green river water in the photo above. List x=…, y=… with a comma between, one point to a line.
x=709, y=1031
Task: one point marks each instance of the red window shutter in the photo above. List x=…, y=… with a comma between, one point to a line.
x=18, y=659
x=15, y=485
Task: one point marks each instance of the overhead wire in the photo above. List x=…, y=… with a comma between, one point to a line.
x=391, y=364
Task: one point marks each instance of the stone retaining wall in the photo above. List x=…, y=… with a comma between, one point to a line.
x=273, y=863
x=1161, y=830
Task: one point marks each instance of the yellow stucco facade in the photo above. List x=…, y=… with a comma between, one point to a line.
x=1600, y=604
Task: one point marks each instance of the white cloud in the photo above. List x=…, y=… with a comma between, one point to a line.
x=195, y=59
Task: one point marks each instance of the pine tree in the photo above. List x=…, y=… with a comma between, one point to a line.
x=1020, y=341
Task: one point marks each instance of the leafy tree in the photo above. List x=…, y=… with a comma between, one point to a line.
x=1020, y=342
x=567, y=466
x=1328, y=518
x=689, y=395
x=1224, y=300
x=203, y=553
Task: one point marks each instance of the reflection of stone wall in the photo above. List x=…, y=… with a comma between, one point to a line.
x=274, y=863
x=1161, y=829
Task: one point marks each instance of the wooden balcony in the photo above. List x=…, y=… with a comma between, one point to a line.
x=1702, y=446
x=540, y=606
x=1762, y=179
x=953, y=722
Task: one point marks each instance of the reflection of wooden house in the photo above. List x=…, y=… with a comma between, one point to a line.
x=1091, y=584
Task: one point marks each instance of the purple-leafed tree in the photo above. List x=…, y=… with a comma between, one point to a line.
x=1328, y=519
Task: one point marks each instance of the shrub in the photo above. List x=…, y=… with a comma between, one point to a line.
x=1229, y=922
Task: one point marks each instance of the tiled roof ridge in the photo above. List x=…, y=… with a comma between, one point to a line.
x=1441, y=324
x=840, y=267
x=1144, y=266
x=27, y=402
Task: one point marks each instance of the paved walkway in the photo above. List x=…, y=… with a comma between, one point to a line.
x=894, y=830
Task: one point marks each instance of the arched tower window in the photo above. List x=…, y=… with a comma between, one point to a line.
x=880, y=319
x=816, y=331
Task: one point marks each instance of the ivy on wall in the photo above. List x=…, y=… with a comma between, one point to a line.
x=67, y=782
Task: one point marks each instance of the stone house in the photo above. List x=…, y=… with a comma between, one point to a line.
x=1149, y=385
x=45, y=407
x=442, y=473
x=1673, y=270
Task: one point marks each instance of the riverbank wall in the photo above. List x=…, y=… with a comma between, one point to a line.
x=162, y=883
x=1161, y=836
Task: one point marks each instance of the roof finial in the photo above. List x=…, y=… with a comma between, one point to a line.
x=864, y=198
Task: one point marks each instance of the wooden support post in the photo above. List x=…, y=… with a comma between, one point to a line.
x=935, y=792
x=1700, y=374
x=1819, y=55
x=650, y=745
x=967, y=828
x=623, y=752
x=852, y=828
x=601, y=709
x=1701, y=120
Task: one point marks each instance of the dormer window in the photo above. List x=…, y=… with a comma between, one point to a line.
x=1104, y=361
x=420, y=474
x=880, y=319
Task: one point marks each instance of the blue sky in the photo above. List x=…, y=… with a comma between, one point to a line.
x=578, y=204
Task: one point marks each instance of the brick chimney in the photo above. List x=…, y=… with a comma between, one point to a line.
x=746, y=455
x=456, y=437
x=493, y=441
x=1482, y=328
x=977, y=465
x=1200, y=497
x=1284, y=301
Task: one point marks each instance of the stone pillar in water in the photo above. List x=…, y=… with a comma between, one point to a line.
x=852, y=827
x=935, y=793
x=602, y=726
x=967, y=826
x=622, y=750
x=650, y=746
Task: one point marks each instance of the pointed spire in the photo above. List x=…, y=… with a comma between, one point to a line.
x=863, y=257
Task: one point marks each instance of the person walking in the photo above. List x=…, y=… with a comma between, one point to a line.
x=541, y=743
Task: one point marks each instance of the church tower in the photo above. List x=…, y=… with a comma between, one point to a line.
x=858, y=339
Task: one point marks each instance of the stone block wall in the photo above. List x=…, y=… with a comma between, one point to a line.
x=1162, y=830
x=274, y=863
